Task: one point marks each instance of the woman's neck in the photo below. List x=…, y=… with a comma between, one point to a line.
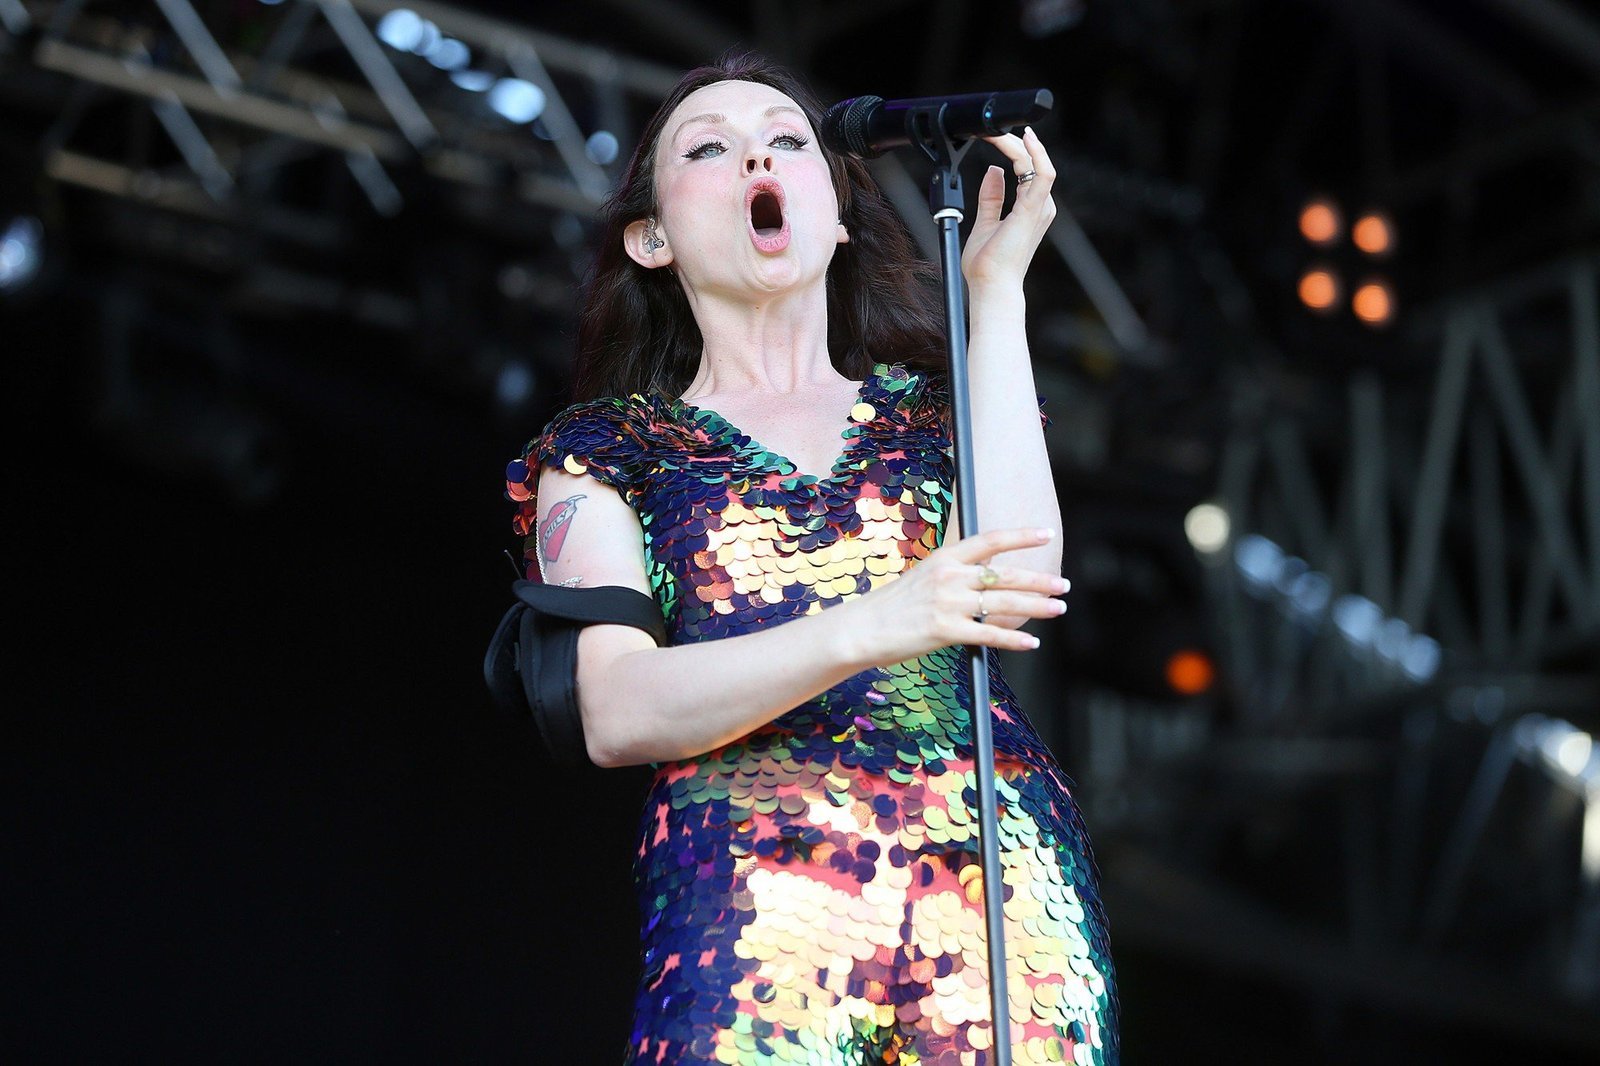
x=779, y=345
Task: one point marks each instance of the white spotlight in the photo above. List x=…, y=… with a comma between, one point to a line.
x=20, y=252
x=1572, y=752
x=1259, y=560
x=1420, y=659
x=1207, y=526
x=1358, y=618
x=517, y=100
x=401, y=29
x=449, y=54
x=601, y=147
x=474, y=81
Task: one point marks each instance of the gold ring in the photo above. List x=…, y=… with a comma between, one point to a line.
x=988, y=578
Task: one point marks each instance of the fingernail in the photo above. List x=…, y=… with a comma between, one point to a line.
x=1033, y=641
x=1045, y=534
x=1060, y=606
x=1062, y=584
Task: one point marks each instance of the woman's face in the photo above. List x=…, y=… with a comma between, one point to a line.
x=747, y=204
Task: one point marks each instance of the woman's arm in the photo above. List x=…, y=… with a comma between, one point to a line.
x=641, y=703
x=1011, y=465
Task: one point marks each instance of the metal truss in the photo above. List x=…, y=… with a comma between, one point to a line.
x=1408, y=608
x=1495, y=488
x=229, y=112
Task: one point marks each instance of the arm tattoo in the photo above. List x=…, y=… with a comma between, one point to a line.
x=553, y=530
x=570, y=583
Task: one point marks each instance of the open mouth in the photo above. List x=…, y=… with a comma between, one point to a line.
x=766, y=214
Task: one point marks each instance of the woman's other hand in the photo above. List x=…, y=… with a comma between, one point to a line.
x=936, y=602
x=998, y=251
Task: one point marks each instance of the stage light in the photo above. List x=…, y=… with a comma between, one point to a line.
x=1041, y=18
x=1358, y=618
x=1308, y=593
x=1373, y=234
x=402, y=29
x=1319, y=289
x=1373, y=302
x=1320, y=222
x=1567, y=751
x=601, y=147
x=1190, y=672
x=514, y=384
x=517, y=100
x=1421, y=657
x=1259, y=560
x=1572, y=751
x=21, y=252
x=449, y=54
x=473, y=81
x=1207, y=526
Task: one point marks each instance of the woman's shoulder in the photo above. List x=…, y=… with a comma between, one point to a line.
x=616, y=433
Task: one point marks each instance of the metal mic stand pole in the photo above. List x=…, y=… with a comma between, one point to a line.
x=946, y=200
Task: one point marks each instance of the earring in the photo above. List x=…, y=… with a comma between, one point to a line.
x=652, y=242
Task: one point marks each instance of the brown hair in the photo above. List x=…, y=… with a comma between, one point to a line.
x=636, y=332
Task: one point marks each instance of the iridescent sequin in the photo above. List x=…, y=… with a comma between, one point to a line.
x=811, y=892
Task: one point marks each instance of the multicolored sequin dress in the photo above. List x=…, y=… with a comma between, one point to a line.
x=811, y=893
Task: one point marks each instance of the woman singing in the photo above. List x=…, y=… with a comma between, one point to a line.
x=763, y=446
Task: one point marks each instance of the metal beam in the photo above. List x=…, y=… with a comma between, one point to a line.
x=1433, y=480
x=557, y=53
x=1538, y=479
x=249, y=109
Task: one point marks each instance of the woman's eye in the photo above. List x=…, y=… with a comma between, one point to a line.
x=709, y=149
x=699, y=150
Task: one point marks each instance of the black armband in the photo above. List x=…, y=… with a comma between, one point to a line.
x=531, y=666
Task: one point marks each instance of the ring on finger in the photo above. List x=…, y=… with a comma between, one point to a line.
x=988, y=578
x=1023, y=179
x=982, y=614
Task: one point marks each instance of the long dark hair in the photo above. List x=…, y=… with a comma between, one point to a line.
x=636, y=332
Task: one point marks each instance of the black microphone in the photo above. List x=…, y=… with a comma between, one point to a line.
x=868, y=126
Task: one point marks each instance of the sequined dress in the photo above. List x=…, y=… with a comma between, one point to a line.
x=811, y=893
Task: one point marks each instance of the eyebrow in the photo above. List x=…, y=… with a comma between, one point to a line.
x=714, y=116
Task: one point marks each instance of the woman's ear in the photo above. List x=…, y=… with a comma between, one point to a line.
x=844, y=234
x=646, y=244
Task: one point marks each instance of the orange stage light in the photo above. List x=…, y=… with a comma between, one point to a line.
x=1319, y=222
x=1190, y=672
x=1373, y=303
x=1319, y=289
x=1373, y=234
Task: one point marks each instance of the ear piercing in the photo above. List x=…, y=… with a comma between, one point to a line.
x=652, y=242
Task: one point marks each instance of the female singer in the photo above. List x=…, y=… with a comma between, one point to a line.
x=762, y=444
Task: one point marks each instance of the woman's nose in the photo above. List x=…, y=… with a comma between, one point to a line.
x=759, y=160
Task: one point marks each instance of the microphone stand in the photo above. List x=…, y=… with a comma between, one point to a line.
x=946, y=200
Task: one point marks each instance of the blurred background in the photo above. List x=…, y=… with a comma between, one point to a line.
x=284, y=285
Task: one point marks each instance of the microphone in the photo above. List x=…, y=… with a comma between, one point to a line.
x=868, y=126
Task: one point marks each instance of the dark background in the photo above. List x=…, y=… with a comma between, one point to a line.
x=262, y=807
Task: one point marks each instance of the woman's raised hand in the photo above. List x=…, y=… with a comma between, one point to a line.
x=998, y=251
x=936, y=603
